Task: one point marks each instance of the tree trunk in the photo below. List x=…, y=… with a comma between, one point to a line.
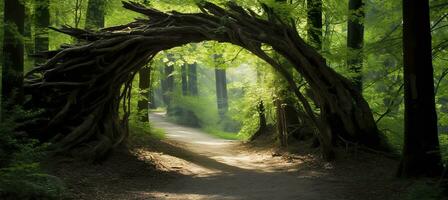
x=144, y=83
x=13, y=51
x=314, y=31
x=355, y=40
x=95, y=14
x=168, y=86
x=184, y=80
x=42, y=22
x=421, y=153
x=221, y=91
x=192, y=79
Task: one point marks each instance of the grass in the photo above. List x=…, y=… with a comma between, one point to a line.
x=221, y=134
x=146, y=130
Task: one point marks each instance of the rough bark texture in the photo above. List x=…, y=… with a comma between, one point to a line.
x=355, y=40
x=13, y=50
x=82, y=86
x=421, y=154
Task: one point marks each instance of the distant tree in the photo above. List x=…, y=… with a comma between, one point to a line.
x=421, y=154
x=221, y=88
x=314, y=11
x=42, y=22
x=184, y=79
x=13, y=51
x=193, y=79
x=355, y=40
x=95, y=14
x=144, y=85
x=168, y=84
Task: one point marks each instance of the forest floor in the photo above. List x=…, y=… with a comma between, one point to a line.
x=190, y=164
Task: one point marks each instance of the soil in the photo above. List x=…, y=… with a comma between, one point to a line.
x=190, y=164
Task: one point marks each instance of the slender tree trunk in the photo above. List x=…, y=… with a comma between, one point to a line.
x=192, y=79
x=144, y=83
x=355, y=40
x=168, y=85
x=13, y=50
x=95, y=14
x=315, y=23
x=184, y=80
x=152, y=98
x=221, y=91
x=42, y=22
x=421, y=153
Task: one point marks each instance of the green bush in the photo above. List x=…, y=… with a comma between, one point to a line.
x=21, y=176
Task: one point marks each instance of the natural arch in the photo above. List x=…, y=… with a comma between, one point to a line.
x=82, y=87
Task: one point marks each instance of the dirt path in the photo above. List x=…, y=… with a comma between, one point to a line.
x=190, y=164
x=221, y=169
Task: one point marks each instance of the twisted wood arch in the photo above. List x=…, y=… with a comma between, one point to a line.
x=82, y=87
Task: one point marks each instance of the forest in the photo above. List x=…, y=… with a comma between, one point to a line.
x=220, y=99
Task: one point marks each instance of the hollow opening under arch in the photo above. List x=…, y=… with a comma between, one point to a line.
x=82, y=87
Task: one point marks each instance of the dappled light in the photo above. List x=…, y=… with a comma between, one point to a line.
x=224, y=100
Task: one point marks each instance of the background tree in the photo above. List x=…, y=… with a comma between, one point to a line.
x=221, y=87
x=144, y=86
x=95, y=14
x=355, y=40
x=314, y=20
x=13, y=51
x=42, y=22
x=421, y=154
x=192, y=79
x=184, y=81
x=168, y=83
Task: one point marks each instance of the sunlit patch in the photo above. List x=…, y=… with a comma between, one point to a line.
x=211, y=143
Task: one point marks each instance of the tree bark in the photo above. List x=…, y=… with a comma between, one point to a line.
x=355, y=40
x=13, y=51
x=421, y=153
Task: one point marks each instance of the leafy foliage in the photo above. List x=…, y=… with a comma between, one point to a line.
x=21, y=176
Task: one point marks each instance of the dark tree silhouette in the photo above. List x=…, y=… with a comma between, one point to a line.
x=13, y=50
x=421, y=154
x=314, y=11
x=355, y=40
x=144, y=85
x=42, y=22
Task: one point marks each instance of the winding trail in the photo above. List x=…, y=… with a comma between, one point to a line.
x=192, y=165
x=223, y=169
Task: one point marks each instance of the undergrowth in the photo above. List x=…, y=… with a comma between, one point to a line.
x=21, y=174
